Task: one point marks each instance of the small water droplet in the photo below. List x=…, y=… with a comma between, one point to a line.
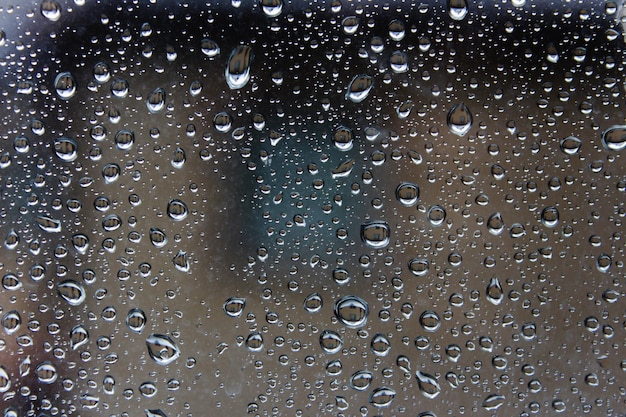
x=350, y=25
x=419, y=266
x=234, y=306
x=158, y=237
x=407, y=194
x=238, y=68
x=436, y=215
x=343, y=138
x=66, y=149
x=254, y=342
x=209, y=47
x=313, y=303
x=181, y=261
x=361, y=380
x=399, y=62
x=11, y=322
x=570, y=145
x=495, y=224
x=222, y=122
x=614, y=138
x=550, y=216
x=380, y=345
x=430, y=321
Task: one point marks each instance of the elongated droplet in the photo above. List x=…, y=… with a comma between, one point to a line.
x=162, y=349
x=382, y=397
x=238, y=68
x=495, y=224
x=65, y=85
x=460, y=119
x=136, y=320
x=359, y=88
x=614, y=138
x=495, y=294
x=78, y=336
x=493, y=402
x=428, y=385
x=72, y=292
x=48, y=225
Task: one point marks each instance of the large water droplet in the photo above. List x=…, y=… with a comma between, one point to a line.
x=427, y=384
x=495, y=224
x=162, y=349
x=158, y=237
x=51, y=10
x=5, y=381
x=177, y=210
x=571, y=145
x=124, y=139
x=209, y=47
x=254, y=342
x=495, y=294
x=156, y=100
x=65, y=85
x=72, y=292
x=436, y=215
x=419, y=266
x=352, y=311
x=238, y=68
x=234, y=306
x=359, y=88
x=343, y=138
x=493, y=402
x=407, y=194
x=66, y=149
x=48, y=225
x=119, y=87
x=136, y=320
x=550, y=216
x=11, y=322
x=313, y=303
x=614, y=138
x=375, y=234
x=222, y=122
x=181, y=261
x=457, y=9
x=101, y=72
x=46, y=372
x=460, y=119
x=382, y=397
x=380, y=345
x=330, y=341
x=272, y=8
x=430, y=321
x=361, y=380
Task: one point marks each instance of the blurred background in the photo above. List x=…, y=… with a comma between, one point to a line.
x=312, y=208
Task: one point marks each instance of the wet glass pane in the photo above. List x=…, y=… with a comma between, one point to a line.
x=323, y=208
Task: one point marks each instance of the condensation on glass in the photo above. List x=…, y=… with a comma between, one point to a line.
x=327, y=208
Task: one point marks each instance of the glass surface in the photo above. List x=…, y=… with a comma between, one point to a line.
x=301, y=209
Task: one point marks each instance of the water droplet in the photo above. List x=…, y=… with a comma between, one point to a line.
x=136, y=320
x=330, y=341
x=571, y=145
x=375, y=234
x=344, y=169
x=350, y=25
x=460, y=119
x=101, y=72
x=238, y=68
x=80, y=243
x=11, y=322
x=517, y=230
x=66, y=149
x=148, y=389
x=111, y=222
x=603, y=263
x=550, y=216
x=343, y=138
x=495, y=294
x=65, y=85
x=430, y=321
x=396, y=30
x=428, y=385
x=419, y=266
x=12, y=240
x=234, y=306
x=254, y=342
x=399, y=62
x=181, y=261
x=72, y=292
x=404, y=363
x=156, y=100
x=359, y=88
x=162, y=349
x=493, y=402
x=361, y=380
x=209, y=47
x=380, y=345
x=436, y=215
x=51, y=10
x=457, y=9
x=407, y=194
x=352, y=311
x=495, y=224
x=48, y=225
x=155, y=413
x=614, y=138
x=272, y=8
x=222, y=122
x=158, y=237
x=78, y=336
x=177, y=210
x=111, y=173
x=124, y=139
x=404, y=109
x=11, y=282
x=382, y=397
x=119, y=87
x=46, y=372
x=5, y=381
x=341, y=276
x=313, y=303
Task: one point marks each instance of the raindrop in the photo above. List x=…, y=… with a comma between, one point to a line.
x=517, y=230
x=343, y=170
x=51, y=10
x=156, y=100
x=177, y=210
x=80, y=243
x=604, y=262
x=158, y=237
x=571, y=145
x=399, y=62
x=5, y=381
x=550, y=216
x=495, y=224
x=155, y=413
x=101, y=72
x=11, y=282
x=614, y=138
x=238, y=68
x=162, y=349
x=78, y=336
x=407, y=194
x=179, y=158
x=430, y=321
x=72, y=292
x=428, y=385
x=493, y=402
x=124, y=139
x=21, y=144
x=209, y=47
x=460, y=119
x=254, y=342
x=382, y=397
x=234, y=306
x=272, y=8
x=195, y=88
x=313, y=303
x=343, y=138
x=111, y=173
x=361, y=380
x=396, y=30
x=341, y=276
x=375, y=234
x=419, y=266
x=46, y=373
x=111, y=222
x=136, y=320
x=359, y=88
x=181, y=261
x=495, y=294
x=330, y=341
x=350, y=25
x=404, y=363
x=436, y=215
x=65, y=85
x=119, y=87
x=12, y=240
x=11, y=322
x=457, y=9
x=352, y=311
x=222, y=122
x=380, y=345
